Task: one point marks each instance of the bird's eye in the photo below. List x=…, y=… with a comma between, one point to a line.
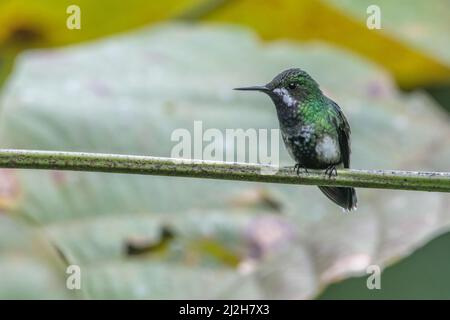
x=292, y=85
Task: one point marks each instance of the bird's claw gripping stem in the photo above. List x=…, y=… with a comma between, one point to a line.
x=331, y=171
x=298, y=167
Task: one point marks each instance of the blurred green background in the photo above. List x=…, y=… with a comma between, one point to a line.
x=137, y=70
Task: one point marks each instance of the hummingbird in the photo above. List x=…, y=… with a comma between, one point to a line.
x=313, y=127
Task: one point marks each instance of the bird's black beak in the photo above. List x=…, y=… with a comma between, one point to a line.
x=254, y=88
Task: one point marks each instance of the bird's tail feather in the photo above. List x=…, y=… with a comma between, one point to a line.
x=342, y=196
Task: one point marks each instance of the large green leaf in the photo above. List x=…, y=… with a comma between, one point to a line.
x=127, y=94
x=29, y=267
x=416, y=23
x=412, y=44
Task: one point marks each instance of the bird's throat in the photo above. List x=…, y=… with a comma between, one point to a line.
x=287, y=112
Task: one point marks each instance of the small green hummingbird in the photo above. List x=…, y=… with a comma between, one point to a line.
x=313, y=127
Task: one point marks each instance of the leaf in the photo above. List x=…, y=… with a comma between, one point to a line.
x=29, y=267
x=43, y=23
x=343, y=23
x=127, y=94
x=415, y=23
x=412, y=45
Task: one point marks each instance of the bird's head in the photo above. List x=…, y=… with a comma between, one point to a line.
x=289, y=87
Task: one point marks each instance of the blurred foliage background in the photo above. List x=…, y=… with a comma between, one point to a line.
x=137, y=70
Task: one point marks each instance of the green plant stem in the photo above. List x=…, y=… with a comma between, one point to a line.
x=113, y=163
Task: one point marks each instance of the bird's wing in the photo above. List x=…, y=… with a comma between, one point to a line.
x=343, y=129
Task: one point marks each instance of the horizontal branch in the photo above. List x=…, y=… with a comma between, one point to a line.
x=80, y=161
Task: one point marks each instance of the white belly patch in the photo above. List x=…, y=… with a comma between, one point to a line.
x=328, y=150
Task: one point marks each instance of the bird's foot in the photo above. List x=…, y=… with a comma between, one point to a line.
x=331, y=171
x=298, y=168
